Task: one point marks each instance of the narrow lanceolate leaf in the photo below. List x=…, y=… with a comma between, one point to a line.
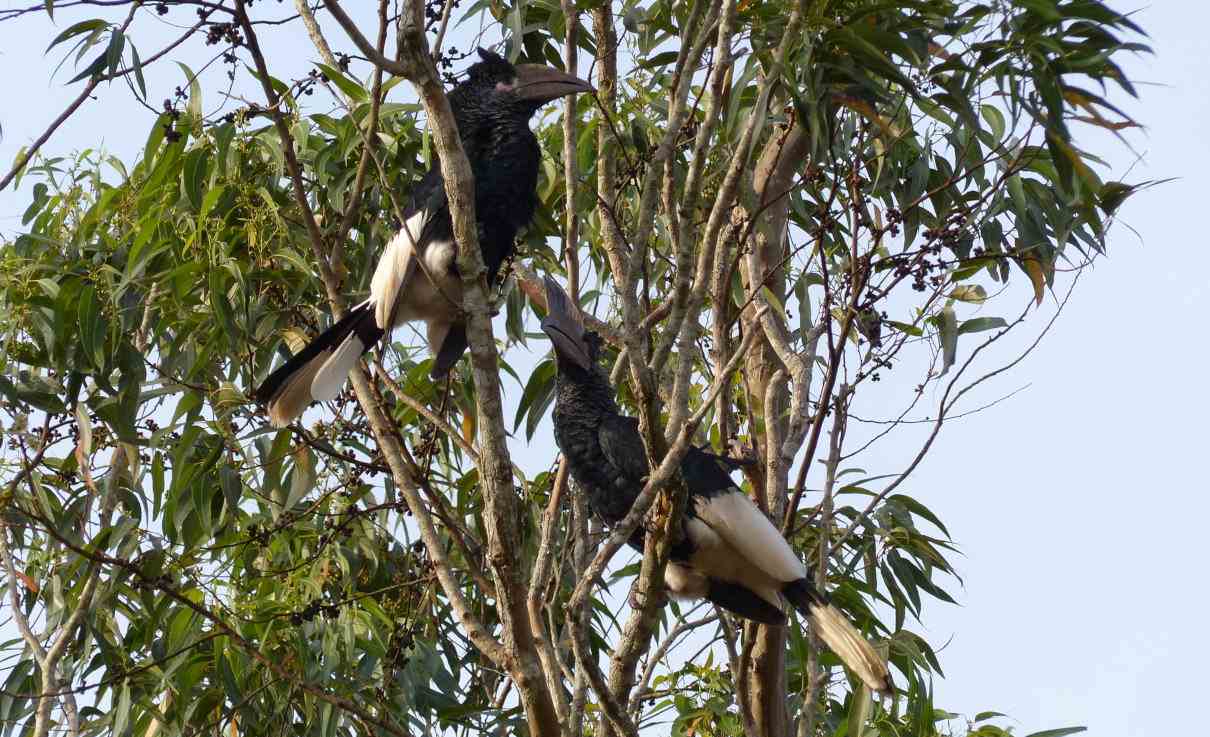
x=84, y=26
x=92, y=326
x=137, y=64
x=113, y=53
x=948, y=326
x=859, y=712
x=1058, y=732
x=84, y=427
x=95, y=67
x=1033, y=268
x=350, y=88
x=302, y=478
x=979, y=324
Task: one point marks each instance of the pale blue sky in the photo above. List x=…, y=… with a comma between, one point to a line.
x=1078, y=503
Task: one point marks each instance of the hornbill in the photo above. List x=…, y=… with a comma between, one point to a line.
x=727, y=550
x=492, y=108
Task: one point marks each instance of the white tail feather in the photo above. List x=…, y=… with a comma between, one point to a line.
x=295, y=395
x=330, y=378
x=843, y=638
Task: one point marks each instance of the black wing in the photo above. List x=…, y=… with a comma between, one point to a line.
x=707, y=474
x=704, y=472
x=429, y=196
x=623, y=447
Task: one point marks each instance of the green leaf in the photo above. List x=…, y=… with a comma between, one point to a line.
x=947, y=323
x=233, y=486
x=194, y=174
x=1049, y=12
x=995, y=119
x=664, y=58
x=213, y=195
x=93, y=68
x=915, y=507
x=84, y=26
x=775, y=303
x=1113, y=194
x=351, y=89
x=979, y=324
x=221, y=305
x=536, y=396
x=92, y=326
x=113, y=54
x=194, y=107
x=1058, y=732
x=137, y=64
x=302, y=476
x=859, y=711
x=903, y=327
x=121, y=713
x=230, y=684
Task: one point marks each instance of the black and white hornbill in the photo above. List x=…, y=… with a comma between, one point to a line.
x=492, y=108
x=727, y=550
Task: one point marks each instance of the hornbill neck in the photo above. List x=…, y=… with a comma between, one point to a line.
x=585, y=394
x=479, y=115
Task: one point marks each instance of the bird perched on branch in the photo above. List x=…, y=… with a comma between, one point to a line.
x=416, y=278
x=727, y=550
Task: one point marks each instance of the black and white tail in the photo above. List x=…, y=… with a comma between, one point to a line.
x=839, y=634
x=319, y=371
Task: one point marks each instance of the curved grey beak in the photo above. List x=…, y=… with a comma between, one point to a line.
x=543, y=84
x=564, y=326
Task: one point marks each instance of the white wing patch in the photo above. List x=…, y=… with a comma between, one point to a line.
x=330, y=378
x=735, y=519
x=717, y=558
x=394, y=269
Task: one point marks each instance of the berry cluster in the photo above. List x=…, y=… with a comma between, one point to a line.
x=445, y=62
x=433, y=10
x=312, y=610
x=219, y=32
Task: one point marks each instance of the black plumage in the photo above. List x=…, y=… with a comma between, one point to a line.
x=492, y=108
x=726, y=550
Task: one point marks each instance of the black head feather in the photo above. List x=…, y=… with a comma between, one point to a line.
x=497, y=90
x=492, y=69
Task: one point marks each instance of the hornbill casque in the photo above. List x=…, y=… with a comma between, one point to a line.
x=492, y=108
x=727, y=550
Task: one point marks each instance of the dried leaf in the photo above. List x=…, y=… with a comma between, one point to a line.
x=1033, y=267
x=969, y=293
x=84, y=446
x=30, y=583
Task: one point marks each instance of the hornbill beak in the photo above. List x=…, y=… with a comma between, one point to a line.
x=564, y=326
x=543, y=84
